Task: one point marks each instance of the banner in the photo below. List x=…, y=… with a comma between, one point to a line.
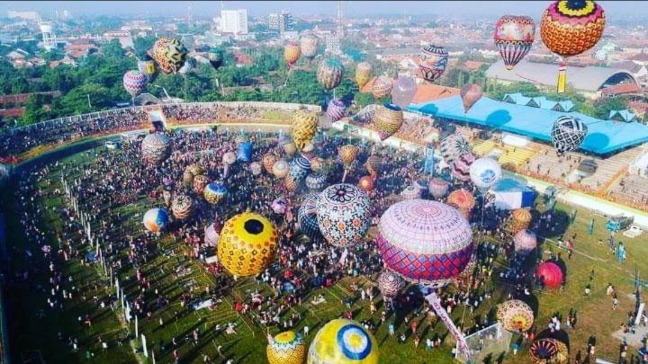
x=428, y=166
x=435, y=302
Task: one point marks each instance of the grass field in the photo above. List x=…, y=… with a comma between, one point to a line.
x=32, y=333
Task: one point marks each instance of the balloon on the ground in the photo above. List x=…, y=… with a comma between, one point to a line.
x=279, y=205
x=348, y=154
x=515, y=315
x=381, y=87
x=389, y=284
x=485, y=172
x=388, y=119
x=335, y=109
x=569, y=28
x=463, y=200
x=550, y=274
x=244, y=153
x=373, y=165
x=196, y=169
x=470, y=93
x=433, y=62
x=155, y=148
x=199, y=183
x=135, y=82
x=544, y=350
x=461, y=166
x=169, y=54
x=280, y=169
x=291, y=184
x=309, y=44
x=411, y=192
x=525, y=241
x=292, y=52
x=316, y=181
x=247, y=244
x=329, y=73
x=342, y=341
x=343, y=214
x=438, y=187
x=366, y=183
x=182, y=207
x=567, y=134
x=212, y=234
x=403, y=91
x=155, y=220
x=290, y=148
x=307, y=216
x=229, y=158
x=287, y=347
x=425, y=241
x=453, y=146
x=299, y=168
x=268, y=161
x=364, y=73
x=215, y=192
x=520, y=220
x=513, y=38
x=255, y=168
x=304, y=127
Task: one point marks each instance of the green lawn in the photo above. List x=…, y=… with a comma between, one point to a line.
x=29, y=332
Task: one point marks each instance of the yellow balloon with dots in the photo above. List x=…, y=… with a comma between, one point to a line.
x=343, y=341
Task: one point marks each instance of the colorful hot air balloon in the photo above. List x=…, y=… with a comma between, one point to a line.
x=292, y=52
x=335, y=109
x=544, y=350
x=433, y=62
x=304, y=127
x=155, y=148
x=182, y=207
x=571, y=27
x=373, y=165
x=550, y=274
x=299, y=168
x=343, y=214
x=567, y=134
x=155, y=220
x=514, y=37
x=215, y=192
x=453, y=146
x=280, y=169
x=525, y=241
x=411, y=192
x=268, y=161
x=247, y=245
x=200, y=182
x=244, y=153
x=425, y=241
x=286, y=348
x=366, y=183
x=515, y=315
x=364, y=73
x=329, y=73
x=309, y=44
x=148, y=68
x=169, y=54
x=215, y=57
x=461, y=166
x=135, y=82
x=381, y=87
x=316, y=181
x=520, y=220
x=485, y=172
x=463, y=200
x=307, y=216
x=388, y=119
x=389, y=284
x=438, y=187
x=403, y=91
x=470, y=94
x=343, y=341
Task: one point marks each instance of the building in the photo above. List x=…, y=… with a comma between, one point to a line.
x=286, y=22
x=234, y=21
x=273, y=21
x=26, y=15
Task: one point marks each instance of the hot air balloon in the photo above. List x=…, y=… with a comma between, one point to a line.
x=215, y=192
x=364, y=73
x=425, y=241
x=212, y=234
x=544, y=350
x=135, y=82
x=329, y=73
x=292, y=52
x=463, y=200
x=514, y=37
x=298, y=168
x=403, y=91
x=290, y=183
x=515, y=315
x=215, y=57
x=389, y=284
x=280, y=169
x=169, y=54
x=335, y=109
x=567, y=134
x=286, y=348
x=550, y=274
x=181, y=207
x=343, y=341
x=155, y=220
x=348, y=154
x=189, y=65
x=148, y=68
x=279, y=205
x=366, y=183
x=343, y=214
x=247, y=245
x=256, y=168
x=388, y=119
x=307, y=216
x=470, y=94
x=525, y=241
x=411, y=192
x=373, y=165
x=461, y=166
x=200, y=182
x=304, y=127
x=155, y=148
x=433, y=62
x=520, y=220
x=438, y=187
x=381, y=87
x=453, y=146
x=485, y=172
x=315, y=181
x=268, y=161
x=309, y=45
x=571, y=27
x=244, y=153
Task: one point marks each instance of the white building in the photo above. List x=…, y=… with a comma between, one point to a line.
x=27, y=15
x=234, y=21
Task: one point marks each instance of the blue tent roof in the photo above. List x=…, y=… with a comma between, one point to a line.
x=604, y=136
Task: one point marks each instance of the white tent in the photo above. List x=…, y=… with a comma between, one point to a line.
x=510, y=194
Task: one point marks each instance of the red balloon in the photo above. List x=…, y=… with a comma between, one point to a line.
x=551, y=274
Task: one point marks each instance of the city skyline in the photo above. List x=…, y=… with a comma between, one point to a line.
x=614, y=9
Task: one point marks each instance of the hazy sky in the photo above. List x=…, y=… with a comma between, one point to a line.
x=211, y=8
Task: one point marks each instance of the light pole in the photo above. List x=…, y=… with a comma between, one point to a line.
x=165, y=92
x=89, y=104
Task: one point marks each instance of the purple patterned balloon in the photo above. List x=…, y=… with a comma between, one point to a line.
x=425, y=241
x=335, y=110
x=135, y=82
x=343, y=214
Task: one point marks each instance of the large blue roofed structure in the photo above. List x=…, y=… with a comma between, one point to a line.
x=603, y=137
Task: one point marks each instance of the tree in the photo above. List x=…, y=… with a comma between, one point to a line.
x=35, y=109
x=605, y=105
x=142, y=45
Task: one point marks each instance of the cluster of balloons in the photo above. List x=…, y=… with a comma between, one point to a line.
x=306, y=47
